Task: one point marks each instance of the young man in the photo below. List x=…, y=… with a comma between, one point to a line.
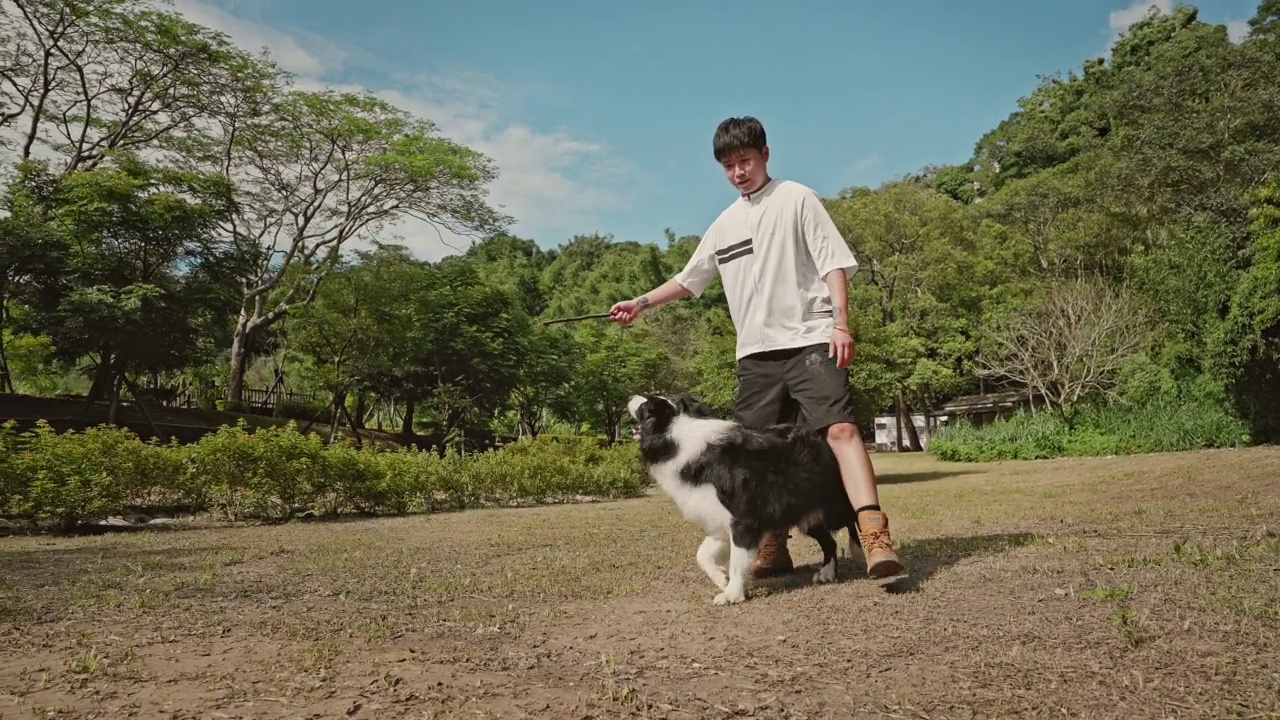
x=785, y=268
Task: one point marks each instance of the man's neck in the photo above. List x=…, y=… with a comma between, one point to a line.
x=767, y=179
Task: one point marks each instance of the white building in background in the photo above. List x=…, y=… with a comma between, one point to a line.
x=887, y=431
x=977, y=409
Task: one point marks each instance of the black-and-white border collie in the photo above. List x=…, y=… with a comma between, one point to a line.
x=739, y=483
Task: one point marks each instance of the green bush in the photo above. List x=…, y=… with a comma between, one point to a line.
x=1198, y=420
x=10, y=491
x=73, y=478
x=304, y=410
x=277, y=473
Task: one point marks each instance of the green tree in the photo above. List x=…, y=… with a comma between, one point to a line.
x=544, y=379
x=136, y=244
x=1247, y=343
x=591, y=272
x=1265, y=23
x=618, y=363
x=515, y=264
x=86, y=77
x=919, y=262
x=315, y=170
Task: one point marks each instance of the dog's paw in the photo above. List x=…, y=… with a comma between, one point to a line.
x=725, y=598
x=855, y=551
x=825, y=574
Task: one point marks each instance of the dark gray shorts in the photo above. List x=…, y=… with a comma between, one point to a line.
x=793, y=385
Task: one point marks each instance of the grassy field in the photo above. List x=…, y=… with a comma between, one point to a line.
x=1139, y=587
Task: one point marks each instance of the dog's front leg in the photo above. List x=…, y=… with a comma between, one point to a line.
x=742, y=554
x=711, y=558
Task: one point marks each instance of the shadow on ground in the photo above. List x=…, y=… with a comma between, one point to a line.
x=915, y=477
x=923, y=559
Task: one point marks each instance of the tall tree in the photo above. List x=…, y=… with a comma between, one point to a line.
x=1069, y=345
x=80, y=78
x=1247, y=343
x=315, y=170
x=917, y=251
x=1265, y=23
x=136, y=248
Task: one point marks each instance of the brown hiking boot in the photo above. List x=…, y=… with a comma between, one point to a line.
x=772, y=557
x=877, y=545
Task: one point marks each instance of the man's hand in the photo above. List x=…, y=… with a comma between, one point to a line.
x=841, y=347
x=627, y=310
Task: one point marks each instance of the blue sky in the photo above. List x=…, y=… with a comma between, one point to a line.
x=600, y=115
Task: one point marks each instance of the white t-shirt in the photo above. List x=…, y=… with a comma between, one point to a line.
x=772, y=251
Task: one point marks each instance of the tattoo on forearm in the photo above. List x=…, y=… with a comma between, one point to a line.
x=643, y=301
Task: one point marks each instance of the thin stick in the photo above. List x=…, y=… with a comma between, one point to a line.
x=592, y=316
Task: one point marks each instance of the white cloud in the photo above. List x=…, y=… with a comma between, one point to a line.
x=1120, y=20
x=305, y=54
x=1237, y=30
x=863, y=165
x=552, y=183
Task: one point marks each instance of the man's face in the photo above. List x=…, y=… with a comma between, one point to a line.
x=746, y=169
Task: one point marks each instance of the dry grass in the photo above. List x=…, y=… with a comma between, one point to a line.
x=1125, y=587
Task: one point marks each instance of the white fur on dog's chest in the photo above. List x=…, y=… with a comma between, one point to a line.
x=699, y=504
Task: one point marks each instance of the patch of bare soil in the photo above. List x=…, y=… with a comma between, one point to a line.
x=1143, y=587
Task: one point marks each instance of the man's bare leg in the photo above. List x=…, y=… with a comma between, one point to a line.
x=860, y=484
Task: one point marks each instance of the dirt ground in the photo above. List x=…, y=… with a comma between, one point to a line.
x=1143, y=587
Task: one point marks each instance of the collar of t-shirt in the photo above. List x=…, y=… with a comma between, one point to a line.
x=759, y=191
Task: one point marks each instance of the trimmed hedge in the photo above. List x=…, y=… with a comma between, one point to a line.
x=71, y=479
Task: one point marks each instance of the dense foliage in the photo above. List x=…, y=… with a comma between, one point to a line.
x=1113, y=246
x=65, y=480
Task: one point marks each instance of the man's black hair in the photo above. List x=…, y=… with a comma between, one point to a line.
x=736, y=134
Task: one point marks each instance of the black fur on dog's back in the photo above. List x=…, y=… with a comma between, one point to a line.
x=769, y=479
x=775, y=478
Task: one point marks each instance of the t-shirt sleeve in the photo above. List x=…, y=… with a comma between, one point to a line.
x=826, y=245
x=701, y=269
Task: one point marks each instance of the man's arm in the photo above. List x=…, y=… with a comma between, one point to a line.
x=838, y=286
x=690, y=281
x=826, y=246
x=663, y=294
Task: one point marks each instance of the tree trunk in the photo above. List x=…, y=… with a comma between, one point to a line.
x=6, y=376
x=113, y=413
x=355, y=426
x=406, y=429
x=100, y=388
x=362, y=405
x=612, y=423
x=904, y=420
x=142, y=406
x=339, y=407
x=239, y=359
x=897, y=424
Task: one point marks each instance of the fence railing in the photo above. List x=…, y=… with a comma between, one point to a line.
x=190, y=397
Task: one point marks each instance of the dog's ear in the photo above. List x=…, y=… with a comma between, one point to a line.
x=635, y=404
x=695, y=408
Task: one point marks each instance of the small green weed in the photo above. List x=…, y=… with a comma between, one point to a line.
x=1124, y=617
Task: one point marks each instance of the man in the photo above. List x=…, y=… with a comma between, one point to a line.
x=785, y=267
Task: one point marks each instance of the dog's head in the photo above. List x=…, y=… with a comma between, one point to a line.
x=653, y=414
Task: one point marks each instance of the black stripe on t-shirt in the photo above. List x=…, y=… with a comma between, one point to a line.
x=732, y=252
x=730, y=249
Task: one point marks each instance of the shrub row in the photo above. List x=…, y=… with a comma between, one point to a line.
x=1156, y=426
x=69, y=479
